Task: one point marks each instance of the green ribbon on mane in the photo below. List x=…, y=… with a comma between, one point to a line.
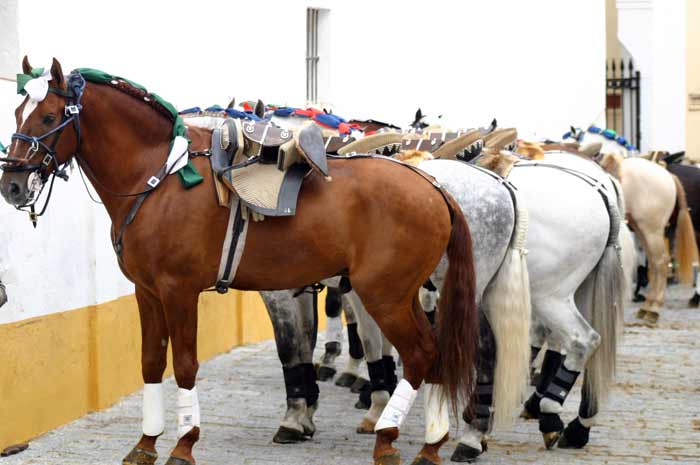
x=189, y=176
x=3, y=149
x=23, y=79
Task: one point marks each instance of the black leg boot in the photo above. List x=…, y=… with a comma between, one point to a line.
x=551, y=404
x=550, y=365
x=390, y=373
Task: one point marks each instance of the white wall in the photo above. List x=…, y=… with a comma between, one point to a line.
x=535, y=65
x=654, y=33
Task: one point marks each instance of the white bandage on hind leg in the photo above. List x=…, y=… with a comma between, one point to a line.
x=187, y=410
x=334, y=329
x=153, y=409
x=437, y=420
x=396, y=410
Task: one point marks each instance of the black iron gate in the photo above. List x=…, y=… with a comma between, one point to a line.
x=623, y=99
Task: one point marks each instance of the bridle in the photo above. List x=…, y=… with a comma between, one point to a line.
x=71, y=115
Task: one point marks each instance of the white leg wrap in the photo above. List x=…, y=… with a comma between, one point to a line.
x=187, y=411
x=396, y=410
x=353, y=365
x=550, y=406
x=334, y=329
x=153, y=409
x=587, y=422
x=437, y=420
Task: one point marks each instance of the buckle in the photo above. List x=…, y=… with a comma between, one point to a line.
x=153, y=182
x=72, y=110
x=35, y=145
x=47, y=160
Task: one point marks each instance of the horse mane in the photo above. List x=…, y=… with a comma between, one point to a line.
x=142, y=95
x=413, y=157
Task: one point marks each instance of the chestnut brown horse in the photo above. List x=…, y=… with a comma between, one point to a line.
x=378, y=222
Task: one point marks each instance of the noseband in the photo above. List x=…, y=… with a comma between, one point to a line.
x=71, y=115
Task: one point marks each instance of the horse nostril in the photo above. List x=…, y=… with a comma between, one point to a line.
x=14, y=189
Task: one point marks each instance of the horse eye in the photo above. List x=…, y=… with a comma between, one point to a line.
x=48, y=119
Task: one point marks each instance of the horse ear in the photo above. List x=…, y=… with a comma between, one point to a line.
x=26, y=67
x=232, y=103
x=259, y=109
x=56, y=72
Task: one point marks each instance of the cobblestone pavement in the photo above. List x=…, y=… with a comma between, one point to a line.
x=653, y=416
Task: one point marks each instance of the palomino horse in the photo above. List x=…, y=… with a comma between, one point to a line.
x=120, y=135
x=651, y=194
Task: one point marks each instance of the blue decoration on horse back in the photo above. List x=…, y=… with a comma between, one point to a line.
x=190, y=110
x=609, y=134
x=594, y=130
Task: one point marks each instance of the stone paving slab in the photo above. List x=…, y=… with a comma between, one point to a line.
x=653, y=416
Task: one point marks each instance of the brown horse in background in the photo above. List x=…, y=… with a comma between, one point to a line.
x=378, y=222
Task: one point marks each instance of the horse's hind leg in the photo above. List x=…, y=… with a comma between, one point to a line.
x=154, y=346
x=356, y=353
x=334, y=334
x=655, y=250
x=293, y=324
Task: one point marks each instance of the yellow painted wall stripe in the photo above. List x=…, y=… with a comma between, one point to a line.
x=58, y=367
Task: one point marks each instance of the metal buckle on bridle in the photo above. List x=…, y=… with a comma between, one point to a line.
x=153, y=182
x=35, y=145
x=47, y=160
x=72, y=110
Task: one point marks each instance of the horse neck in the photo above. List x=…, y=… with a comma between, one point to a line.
x=124, y=142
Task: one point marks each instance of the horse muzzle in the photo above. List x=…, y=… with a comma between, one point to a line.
x=19, y=188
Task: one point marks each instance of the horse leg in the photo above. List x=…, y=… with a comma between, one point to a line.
x=334, y=334
x=550, y=364
x=181, y=315
x=294, y=348
x=154, y=347
x=579, y=340
x=538, y=336
x=657, y=256
x=479, y=419
x=377, y=395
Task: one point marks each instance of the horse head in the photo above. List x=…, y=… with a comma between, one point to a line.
x=40, y=146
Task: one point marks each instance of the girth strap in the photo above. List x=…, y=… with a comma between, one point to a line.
x=234, y=243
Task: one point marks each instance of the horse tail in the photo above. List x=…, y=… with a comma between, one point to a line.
x=685, y=247
x=628, y=250
x=507, y=301
x=604, y=299
x=458, y=319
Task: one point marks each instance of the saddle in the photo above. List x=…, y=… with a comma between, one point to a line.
x=382, y=143
x=464, y=146
x=502, y=139
x=264, y=164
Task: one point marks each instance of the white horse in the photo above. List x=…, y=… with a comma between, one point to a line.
x=652, y=194
x=575, y=276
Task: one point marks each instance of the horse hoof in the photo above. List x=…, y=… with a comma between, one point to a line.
x=346, y=380
x=358, y=385
x=15, y=449
x=366, y=427
x=289, y=436
x=550, y=439
x=575, y=436
x=651, y=317
x=389, y=459
x=360, y=405
x=641, y=313
x=638, y=298
x=325, y=373
x=527, y=415
x=694, y=302
x=139, y=456
x=531, y=408
x=178, y=461
x=465, y=453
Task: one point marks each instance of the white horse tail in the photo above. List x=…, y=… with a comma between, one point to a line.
x=628, y=250
x=507, y=303
x=685, y=247
x=606, y=305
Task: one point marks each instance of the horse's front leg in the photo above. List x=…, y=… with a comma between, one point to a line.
x=180, y=308
x=154, y=346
